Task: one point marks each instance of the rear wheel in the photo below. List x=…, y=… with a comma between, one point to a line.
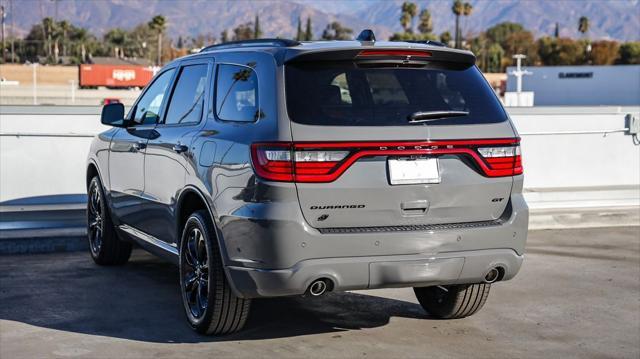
x=453, y=301
x=105, y=246
x=210, y=305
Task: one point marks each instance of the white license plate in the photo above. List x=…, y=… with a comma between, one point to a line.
x=414, y=171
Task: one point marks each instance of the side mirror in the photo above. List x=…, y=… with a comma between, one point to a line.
x=113, y=115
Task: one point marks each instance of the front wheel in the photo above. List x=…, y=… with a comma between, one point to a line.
x=210, y=305
x=105, y=246
x=453, y=301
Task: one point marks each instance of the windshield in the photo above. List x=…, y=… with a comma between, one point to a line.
x=348, y=94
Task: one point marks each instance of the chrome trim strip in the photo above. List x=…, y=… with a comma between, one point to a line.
x=149, y=239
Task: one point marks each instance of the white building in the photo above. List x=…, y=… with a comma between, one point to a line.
x=581, y=85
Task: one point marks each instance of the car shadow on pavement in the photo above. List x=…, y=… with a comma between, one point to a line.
x=141, y=301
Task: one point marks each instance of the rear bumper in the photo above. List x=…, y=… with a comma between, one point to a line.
x=374, y=260
x=376, y=272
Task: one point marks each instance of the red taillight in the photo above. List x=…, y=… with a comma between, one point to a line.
x=400, y=53
x=503, y=160
x=326, y=161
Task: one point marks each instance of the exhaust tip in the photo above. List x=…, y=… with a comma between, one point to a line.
x=318, y=288
x=492, y=275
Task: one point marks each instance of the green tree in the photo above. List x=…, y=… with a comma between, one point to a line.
x=562, y=51
x=521, y=42
x=495, y=53
x=629, y=53
x=445, y=37
x=115, y=41
x=335, y=31
x=299, y=34
x=458, y=10
x=604, y=52
x=224, y=36
x=556, y=31
x=500, y=32
x=583, y=25
x=158, y=24
x=257, y=31
x=65, y=27
x=243, y=32
x=308, y=32
x=467, y=9
x=407, y=13
x=47, y=28
x=426, y=24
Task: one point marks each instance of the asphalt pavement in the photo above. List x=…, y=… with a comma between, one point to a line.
x=577, y=295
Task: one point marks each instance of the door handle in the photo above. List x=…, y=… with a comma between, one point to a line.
x=179, y=148
x=137, y=146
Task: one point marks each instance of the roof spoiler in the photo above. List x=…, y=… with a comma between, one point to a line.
x=252, y=43
x=402, y=54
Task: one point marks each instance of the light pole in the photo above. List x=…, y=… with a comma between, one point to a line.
x=519, y=72
x=35, y=85
x=3, y=15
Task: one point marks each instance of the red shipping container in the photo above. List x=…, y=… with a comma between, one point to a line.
x=122, y=76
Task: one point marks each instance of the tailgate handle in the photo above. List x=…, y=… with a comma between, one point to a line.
x=415, y=208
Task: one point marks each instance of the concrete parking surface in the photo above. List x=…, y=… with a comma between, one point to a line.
x=577, y=295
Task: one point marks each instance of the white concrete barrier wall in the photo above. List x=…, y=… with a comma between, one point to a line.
x=568, y=159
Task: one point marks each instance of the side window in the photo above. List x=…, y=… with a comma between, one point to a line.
x=147, y=111
x=237, y=93
x=187, y=101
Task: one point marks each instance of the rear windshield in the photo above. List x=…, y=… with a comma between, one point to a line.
x=348, y=94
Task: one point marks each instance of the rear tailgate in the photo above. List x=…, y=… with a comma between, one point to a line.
x=359, y=162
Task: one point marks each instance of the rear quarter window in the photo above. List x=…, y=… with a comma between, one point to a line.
x=345, y=94
x=237, y=93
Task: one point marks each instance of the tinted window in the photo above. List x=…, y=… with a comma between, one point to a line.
x=187, y=101
x=237, y=93
x=147, y=110
x=344, y=94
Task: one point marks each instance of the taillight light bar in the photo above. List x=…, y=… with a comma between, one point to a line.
x=308, y=162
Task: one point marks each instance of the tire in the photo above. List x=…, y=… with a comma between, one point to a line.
x=209, y=303
x=454, y=301
x=104, y=245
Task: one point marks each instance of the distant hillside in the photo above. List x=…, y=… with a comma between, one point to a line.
x=615, y=19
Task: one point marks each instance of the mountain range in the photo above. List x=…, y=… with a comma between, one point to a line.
x=609, y=19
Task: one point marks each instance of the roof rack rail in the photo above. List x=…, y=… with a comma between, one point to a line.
x=428, y=42
x=254, y=42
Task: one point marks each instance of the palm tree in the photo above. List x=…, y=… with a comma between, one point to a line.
x=583, y=25
x=299, y=30
x=308, y=32
x=47, y=28
x=467, y=9
x=409, y=11
x=458, y=9
x=257, y=31
x=158, y=24
x=65, y=26
x=426, y=24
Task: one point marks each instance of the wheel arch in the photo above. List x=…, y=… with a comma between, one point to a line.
x=92, y=171
x=192, y=199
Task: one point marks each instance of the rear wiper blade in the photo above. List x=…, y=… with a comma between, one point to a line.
x=426, y=116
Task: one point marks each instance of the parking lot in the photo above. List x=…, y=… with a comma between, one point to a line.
x=577, y=295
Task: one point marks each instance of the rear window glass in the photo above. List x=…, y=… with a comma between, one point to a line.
x=344, y=94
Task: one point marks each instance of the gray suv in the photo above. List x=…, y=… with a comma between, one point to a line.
x=270, y=167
